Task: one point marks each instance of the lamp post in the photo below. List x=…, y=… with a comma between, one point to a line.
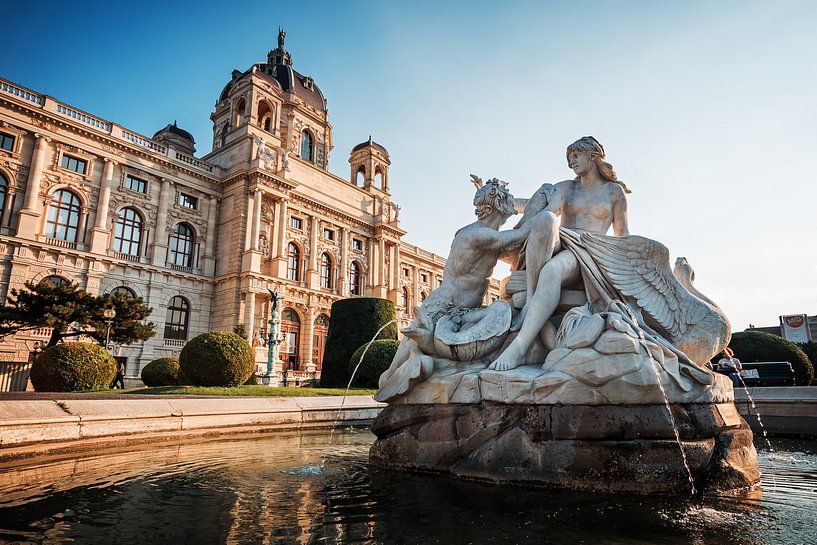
x=109, y=314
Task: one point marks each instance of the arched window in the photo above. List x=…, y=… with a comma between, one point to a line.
x=360, y=176
x=181, y=245
x=238, y=111
x=123, y=290
x=378, y=178
x=293, y=262
x=177, y=318
x=291, y=328
x=306, y=146
x=53, y=281
x=404, y=297
x=62, y=221
x=4, y=189
x=326, y=271
x=422, y=297
x=224, y=132
x=355, y=279
x=265, y=116
x=127, y=233
x=319, y=335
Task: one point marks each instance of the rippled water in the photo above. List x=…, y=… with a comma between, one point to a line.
x=300, y=489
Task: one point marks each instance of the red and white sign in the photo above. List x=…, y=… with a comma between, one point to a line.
x=795, y=328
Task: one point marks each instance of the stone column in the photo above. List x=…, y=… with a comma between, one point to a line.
x=343, y=266
x=308, y=333
x=100, y=234
x=395, y=266
x=256, y=220
x=381, y=263
x=312, y=276
x=210, y=241
x=7, y=207
x=160, y=238
x=280, y=267
x=249, y=315
x=32, y=209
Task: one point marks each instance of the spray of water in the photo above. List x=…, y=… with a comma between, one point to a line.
x=352, y=378
x=757, y=414
x=671, y=417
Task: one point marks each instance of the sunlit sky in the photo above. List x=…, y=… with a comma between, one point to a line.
x=706, y=109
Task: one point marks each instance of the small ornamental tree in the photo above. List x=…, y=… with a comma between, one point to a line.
x=217, y=359
x=72, y=312
x=352, y=323
x=73, y=367
x=161, y=372
x=377, y=359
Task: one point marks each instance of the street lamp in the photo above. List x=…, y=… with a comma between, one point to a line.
x=109, y=314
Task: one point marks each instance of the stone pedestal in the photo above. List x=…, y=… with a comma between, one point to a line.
x=608, y=448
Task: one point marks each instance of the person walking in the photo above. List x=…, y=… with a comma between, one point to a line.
x=120, y=376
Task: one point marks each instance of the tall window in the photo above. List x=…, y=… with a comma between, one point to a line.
x=293, y=260
x=127, y=234
x=265, y=116
x=181, y=245
x=136, y=184
x=326, y=271
x=320, y=332
x=6, y=141
x=355, y=279
x=306, y=146
x=404, y=297
x=74, y=164
x=291, y=328
x=177, y=318
x=62, y=220
x=4, y=188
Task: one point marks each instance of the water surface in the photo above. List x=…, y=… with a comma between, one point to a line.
x=299, y=488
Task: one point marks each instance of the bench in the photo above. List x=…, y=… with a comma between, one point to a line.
x=768, y=373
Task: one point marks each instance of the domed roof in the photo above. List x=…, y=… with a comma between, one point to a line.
x=177, y=137
x=175, y=129
x=370, y=143
x=278, y=71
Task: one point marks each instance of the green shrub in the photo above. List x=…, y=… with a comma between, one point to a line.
x=252, y=380
x=751, y=346
x=378, y=358
x=810, y=348
x=353, y=322
x=161, y=372
x=73, y=367
x=240, y=330
x=217, y=359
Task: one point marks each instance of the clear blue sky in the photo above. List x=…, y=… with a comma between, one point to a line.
x=707, y=109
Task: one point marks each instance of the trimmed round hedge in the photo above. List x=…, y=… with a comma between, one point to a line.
x=217, y=359
x=751, y=346
x=73, y=367
x=352, y=323
x=161, y=372
x=378, y=358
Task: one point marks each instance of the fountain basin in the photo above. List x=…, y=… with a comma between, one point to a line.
x=609, y=448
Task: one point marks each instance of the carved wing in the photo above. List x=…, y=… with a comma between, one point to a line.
x=639, y=267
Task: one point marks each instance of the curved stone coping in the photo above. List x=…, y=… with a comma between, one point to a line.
x=70, y=420
x=784, y=410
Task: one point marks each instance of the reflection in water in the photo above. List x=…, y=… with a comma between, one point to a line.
x=301, y=489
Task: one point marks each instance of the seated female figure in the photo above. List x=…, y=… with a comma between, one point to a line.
x=592, y=202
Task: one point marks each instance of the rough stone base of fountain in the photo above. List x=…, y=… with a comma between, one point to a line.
x=610, y=448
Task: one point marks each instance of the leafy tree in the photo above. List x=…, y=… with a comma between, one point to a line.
x=65, y=305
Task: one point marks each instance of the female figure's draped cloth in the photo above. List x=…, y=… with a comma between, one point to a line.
x=632, y=274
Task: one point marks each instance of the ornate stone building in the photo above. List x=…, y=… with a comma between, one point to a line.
x=202, y=239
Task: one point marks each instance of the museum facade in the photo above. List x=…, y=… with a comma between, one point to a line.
x=203, y=238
